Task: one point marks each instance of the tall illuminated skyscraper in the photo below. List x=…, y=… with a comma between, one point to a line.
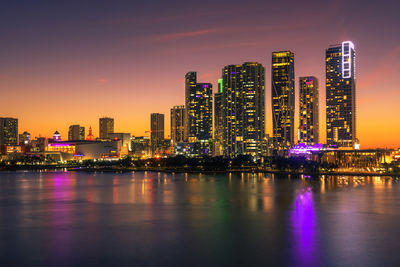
x=8, y=131
x=283, y=101
x=309, y=106
x=177, y=124
x=198, y=113
x=340, y=95
x=218, y=120
x=243, y=107
x=106, y=126
x=157, y=132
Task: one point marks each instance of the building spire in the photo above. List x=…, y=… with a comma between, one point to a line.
x=90, y=136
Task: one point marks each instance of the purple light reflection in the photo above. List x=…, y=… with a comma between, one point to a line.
x=303, y=225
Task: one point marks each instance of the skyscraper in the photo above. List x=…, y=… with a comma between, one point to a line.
x=106, y=126
x=283, y=101
x=76, y=132
x=309, y=106
x=157, y=132
x=177, y=124
x=198, y=113
x=190, y=90
x=218, y=120
x=243, y=107
x=8, y=131
x=340, y=95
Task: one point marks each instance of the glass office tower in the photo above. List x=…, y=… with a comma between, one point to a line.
x=283, y=101
x=340, y=95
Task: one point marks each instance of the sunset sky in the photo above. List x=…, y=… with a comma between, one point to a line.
x=71, y=62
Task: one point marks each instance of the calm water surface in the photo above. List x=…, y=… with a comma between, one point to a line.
x=156, y=219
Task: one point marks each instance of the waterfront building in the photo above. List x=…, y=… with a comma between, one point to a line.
x=76, y=132
x=177, y=124
x=357, y=159
x=125, y=139
x=156, y=132
x=340, y=95
x=283, y=99
x=308, y=110
x=39, y=144
x=8, y=131
x=56, y=136
x=140, y=146
x=243, y=109
x=106, y=126
x=82, y=150
x=267, y=146
x=198, y=113
x=309, y=152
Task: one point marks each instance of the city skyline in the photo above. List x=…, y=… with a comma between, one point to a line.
x=111, y=90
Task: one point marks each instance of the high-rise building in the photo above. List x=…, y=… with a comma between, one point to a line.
x=76, y=132
x=156, y=132
x=243, y=108
x=309, y=110
x=190, y=89
x=8, y=131
x=283, y=99
x=24, y=138
x=106, y=126
x=218, y=120
x=340, y=95
x=198, y=113
x=178, y=124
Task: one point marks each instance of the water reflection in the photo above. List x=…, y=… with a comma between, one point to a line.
x=304, y=224
x=198, y=220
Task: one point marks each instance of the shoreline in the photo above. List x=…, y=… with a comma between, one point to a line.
x=173, y=171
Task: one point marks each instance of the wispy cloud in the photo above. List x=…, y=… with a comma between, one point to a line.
x=180, y=35
x=225, y=45
x=103, y=80
x=221, y=30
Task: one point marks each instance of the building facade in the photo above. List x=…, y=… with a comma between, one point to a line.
x=76, y=132
x=106, y=126
x=177, y=124
x=24, y=138
x=340, y=95
x=56, y=136
x=8, y=131
x=140, y=146
x=198, y=113
x=283, y=98
x=218, y=120
x=156, y=132
x=243, y=109
x=308, y=110
x=125, y=139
